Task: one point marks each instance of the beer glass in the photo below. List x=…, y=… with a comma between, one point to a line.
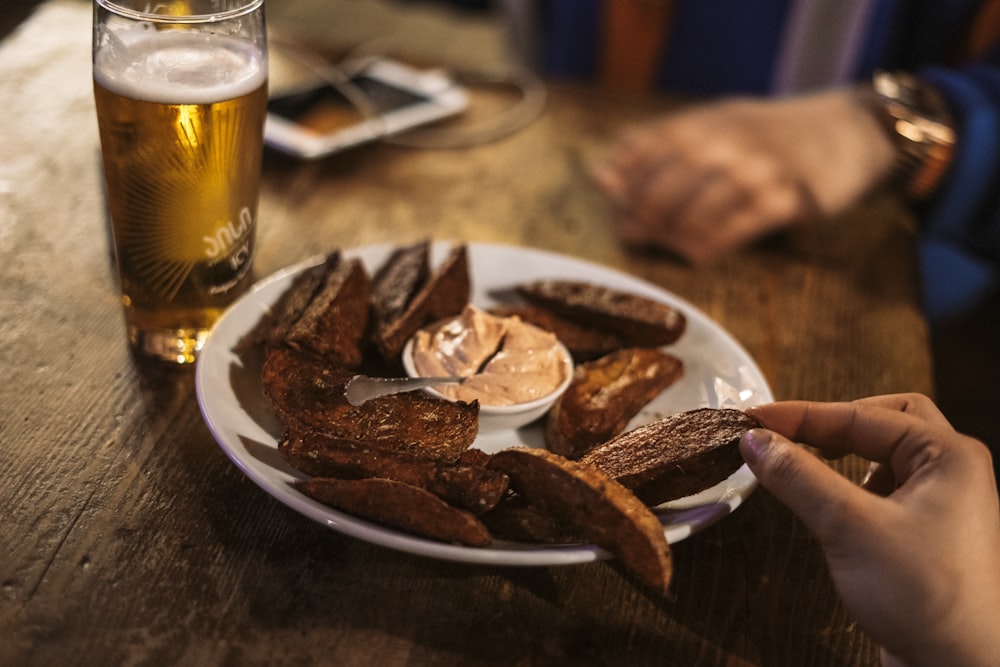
x=181, y=91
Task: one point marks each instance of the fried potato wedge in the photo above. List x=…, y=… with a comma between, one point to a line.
x=466, y=484
x=399, y=505
x=307, y=394
x=594, y=506
x=676, y=456
x=605, y=394
x=640, y=321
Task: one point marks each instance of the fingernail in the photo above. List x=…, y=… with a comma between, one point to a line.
x=609, y=182
x=756, y=443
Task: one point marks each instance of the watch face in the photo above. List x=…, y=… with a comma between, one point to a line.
x=916, y=117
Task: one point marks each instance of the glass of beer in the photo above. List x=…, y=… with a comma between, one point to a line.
x=181, y=92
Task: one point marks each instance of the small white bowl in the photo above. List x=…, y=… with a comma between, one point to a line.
x=493, y=418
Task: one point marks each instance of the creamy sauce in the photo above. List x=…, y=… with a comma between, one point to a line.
x=508, y=360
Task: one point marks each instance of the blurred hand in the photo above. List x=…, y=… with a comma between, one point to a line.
x=916, y=554
x=704, y=181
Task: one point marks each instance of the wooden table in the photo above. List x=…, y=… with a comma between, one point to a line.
x=128, y=537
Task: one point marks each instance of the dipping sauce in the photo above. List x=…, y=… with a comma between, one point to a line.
x=516, y=362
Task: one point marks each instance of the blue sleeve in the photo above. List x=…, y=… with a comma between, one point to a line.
x=960, y=244
x=965, y=211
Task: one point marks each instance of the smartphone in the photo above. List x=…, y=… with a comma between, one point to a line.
x=381, y=98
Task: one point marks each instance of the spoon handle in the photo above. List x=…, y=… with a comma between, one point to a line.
x=361, y=388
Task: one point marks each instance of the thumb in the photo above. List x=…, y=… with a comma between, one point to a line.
x=813, y=491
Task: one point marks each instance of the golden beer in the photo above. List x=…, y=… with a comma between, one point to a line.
x=181, y=122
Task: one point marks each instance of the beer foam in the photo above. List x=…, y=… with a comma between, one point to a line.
x=173, y=67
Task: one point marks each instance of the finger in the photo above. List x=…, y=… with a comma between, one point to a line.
x=904, y=441
x=610, y=181
x=631, y=161
x=912, y=404
x=704, y=236
x=643, y=215
x=689, y=213
x=616, y=174
x=707, y=217
x=629, y=230
x=824, y=500
x=639, y=233
x=855, y=427
x=667, y=187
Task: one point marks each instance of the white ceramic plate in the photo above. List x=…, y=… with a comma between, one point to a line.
x=718, y=372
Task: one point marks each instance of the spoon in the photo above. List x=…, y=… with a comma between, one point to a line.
x=361, y=388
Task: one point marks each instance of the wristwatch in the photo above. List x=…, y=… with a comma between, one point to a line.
x=917, y=119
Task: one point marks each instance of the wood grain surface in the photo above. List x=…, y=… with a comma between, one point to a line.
x=129, y=538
